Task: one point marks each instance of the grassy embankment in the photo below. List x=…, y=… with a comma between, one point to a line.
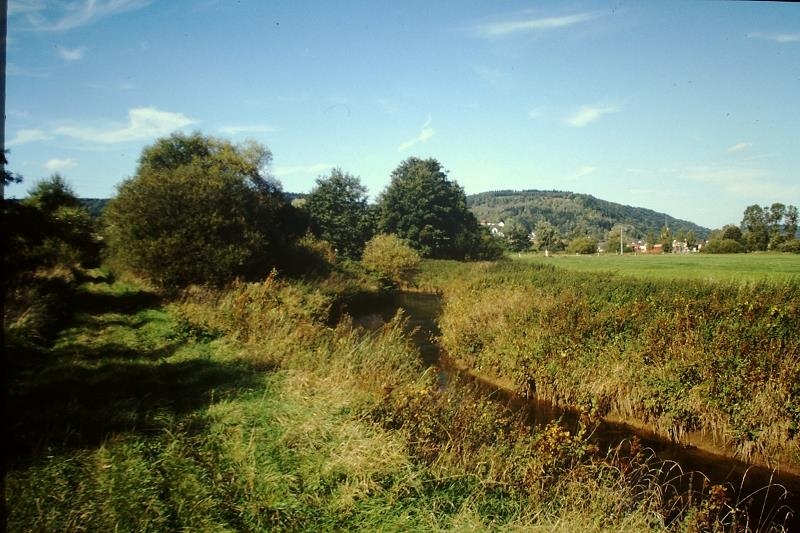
x=657, y=341
x=245, y=410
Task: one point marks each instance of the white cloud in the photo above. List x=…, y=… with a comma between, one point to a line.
x=143, y=123
x=59, y=165
x=744, y=181
x=71, y=54
x=300, y=169
x=738, y=147
x=584, y=171
x=29, y=135
x=776, y=37
x=425, y=134
x=527, y=23
x=588, y=114
x=253, y=128
x=62, y=16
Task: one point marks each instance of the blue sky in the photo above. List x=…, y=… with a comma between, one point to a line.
x=691, y=108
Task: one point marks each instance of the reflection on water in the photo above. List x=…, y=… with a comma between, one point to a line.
x=762, y=490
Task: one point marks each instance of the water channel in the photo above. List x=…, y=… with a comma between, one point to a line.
x=768, y=494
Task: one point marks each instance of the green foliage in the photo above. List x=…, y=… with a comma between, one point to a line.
x=422, y=206
x=48, y=229
x=583, y=245
x=573, y=214
x=547, y=236
x=392, y=258
x=338, y=213
x=199, y=210
x=724, y=246
x=244, y=410
x=790, y=246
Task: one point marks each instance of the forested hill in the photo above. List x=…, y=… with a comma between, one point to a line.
x=573, y=213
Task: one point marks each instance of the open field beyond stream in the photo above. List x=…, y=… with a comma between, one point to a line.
x=263, y=407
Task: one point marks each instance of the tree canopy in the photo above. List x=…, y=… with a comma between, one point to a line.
x=422, y=206
x=338, y=212
x=198, y=210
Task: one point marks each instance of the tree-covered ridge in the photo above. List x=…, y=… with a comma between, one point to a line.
x=573, y=214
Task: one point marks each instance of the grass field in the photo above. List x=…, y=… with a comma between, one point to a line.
x=245, y=411
x=748, y=267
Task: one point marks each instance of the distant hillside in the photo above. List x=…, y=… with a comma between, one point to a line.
x=573, y=213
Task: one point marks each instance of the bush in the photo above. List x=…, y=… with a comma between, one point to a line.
x=392, y=258
x=791, y=246
x=724, y=246
x=198, y=210
x=583, y=245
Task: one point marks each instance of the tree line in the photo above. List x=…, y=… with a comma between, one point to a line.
x=202, y=210
x=762, y=228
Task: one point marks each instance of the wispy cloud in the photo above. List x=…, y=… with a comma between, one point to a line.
x=425, y=134
x=246, y=129
x=588, y=114
x=27, y=136
x=776, y=37
x=71, y=54
x=738, y=147
x=584, y=171
x=62, y=16
x=528, y=23
x=143, y=123
x=749, y=182
x=301, y=169
x=59, y=165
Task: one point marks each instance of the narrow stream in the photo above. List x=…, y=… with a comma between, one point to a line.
x=767, y=494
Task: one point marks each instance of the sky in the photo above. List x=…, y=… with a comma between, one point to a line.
x=686, y=107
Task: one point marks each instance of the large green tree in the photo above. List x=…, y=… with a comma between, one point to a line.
x=755, y=227
x=424, y=207
x=198, y=210
x=338, y=212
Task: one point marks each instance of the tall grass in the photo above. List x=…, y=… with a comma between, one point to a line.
x=720, y=358
x=247, y=410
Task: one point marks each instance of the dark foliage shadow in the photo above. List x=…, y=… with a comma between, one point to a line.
x=72, y=406
x=126, y=303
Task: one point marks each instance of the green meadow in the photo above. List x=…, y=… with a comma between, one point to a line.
x=710, y=267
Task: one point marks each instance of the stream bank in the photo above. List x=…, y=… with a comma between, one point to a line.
x=764, y=491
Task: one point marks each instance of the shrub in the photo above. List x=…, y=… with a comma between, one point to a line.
x=392, y=258
x=198, y=210
x=724, y=246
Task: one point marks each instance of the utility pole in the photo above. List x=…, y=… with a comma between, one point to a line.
x=621, y=237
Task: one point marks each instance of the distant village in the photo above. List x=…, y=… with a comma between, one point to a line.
x=496, y=229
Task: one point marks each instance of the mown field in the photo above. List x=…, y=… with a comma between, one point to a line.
x=711, y=267
x=246, y=409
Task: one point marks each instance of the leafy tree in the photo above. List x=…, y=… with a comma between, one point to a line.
x=666, y=239
x=519, y=238
x=422, y=206
x=731, y=231
x=547, y=236
x=790, y=222
x=338, y=212
x=50, y=194
x=198, y=210
x=583, y=245
x=49, y=227
x=724, y=246
x=392, y=258
x=755, y=228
